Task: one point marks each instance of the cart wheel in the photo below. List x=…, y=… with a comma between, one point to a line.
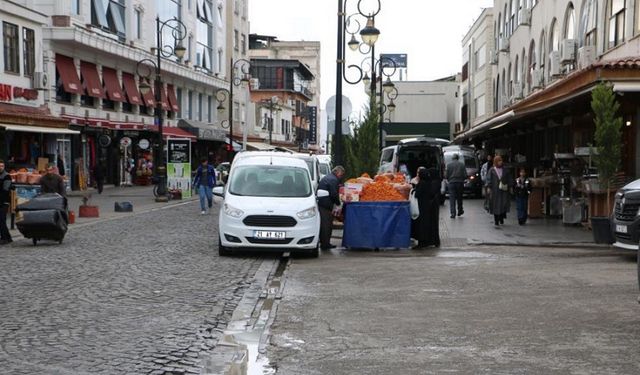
x=35, y=241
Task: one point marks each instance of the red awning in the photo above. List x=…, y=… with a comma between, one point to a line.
x=69, y=75
x=173, y=101
x=91, y=79
x=171, y=132
x=112, y=85
x=149, y=98
x=131, y=89
x=163, y=99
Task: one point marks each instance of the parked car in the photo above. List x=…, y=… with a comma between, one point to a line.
x=473, y=182
x=324, y=164
x=314, y=167
x=222, y=172
x=269, y=204
x=626, y=216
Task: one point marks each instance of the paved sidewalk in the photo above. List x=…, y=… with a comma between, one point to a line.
x=141, y=197
x=476, y=227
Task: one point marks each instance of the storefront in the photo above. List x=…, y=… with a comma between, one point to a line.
x=210, y=144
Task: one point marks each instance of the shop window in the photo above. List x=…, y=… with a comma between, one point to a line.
x=10, y=38
x=28, y=51
x=616, y=13
x=108, y=104
x=62, y=96
x=87, y=101
x=127, y=107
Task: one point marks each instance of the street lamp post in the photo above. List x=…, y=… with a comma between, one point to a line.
x=222, y=94
x=179, y=33
x=391, y=92
x=369, y=35
x=269, y=122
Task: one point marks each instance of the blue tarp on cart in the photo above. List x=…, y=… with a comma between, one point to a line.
x=376, y=225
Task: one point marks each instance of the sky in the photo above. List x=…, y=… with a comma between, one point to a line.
x=430, y=32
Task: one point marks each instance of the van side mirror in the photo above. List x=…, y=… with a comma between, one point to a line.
x=218, y=191
x=322, y=193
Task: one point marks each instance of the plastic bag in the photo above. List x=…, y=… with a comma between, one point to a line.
x=413, y=202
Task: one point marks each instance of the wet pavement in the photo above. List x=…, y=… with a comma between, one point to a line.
x=477, y=310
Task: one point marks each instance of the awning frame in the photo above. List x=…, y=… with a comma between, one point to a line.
x=37, y=129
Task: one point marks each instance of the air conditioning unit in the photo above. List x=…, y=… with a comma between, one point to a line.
x=493, y=57
x=517, y=91
x=525, y=17
x=504, y=44
x=568, y=51
x=254, y=84
x=537, y=79
x=40, y=80
x=555, y=65
x=586, y=56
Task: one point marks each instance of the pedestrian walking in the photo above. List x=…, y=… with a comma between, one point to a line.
x=456, y=174
x=204, y=182
x=5, y=200
x=522, y=189
x=484, y=177
x=329, y=183
x=51, y=182
x=500, y=183
x=425, y=229
x=98, y=174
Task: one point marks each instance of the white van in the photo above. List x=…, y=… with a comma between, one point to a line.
x=269, y=204
x=412, y=153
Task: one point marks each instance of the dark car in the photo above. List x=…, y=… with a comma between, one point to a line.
x=626, y=218
x=473, y=182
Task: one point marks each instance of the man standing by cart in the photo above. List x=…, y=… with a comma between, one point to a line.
x=5, y=199
x=52, y=182
x=329, y=183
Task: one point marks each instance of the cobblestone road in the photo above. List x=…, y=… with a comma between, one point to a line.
x=145, y=294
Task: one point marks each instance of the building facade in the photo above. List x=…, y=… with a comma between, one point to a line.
x=96, y=54
x=303, y=107
x=476, y=91
x=548, y=57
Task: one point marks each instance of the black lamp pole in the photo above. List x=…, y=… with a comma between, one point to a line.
x=369, y=36
x=222, y=94
x=179, y=33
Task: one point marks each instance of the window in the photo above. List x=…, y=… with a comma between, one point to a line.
x=204, y=47
x=570, y=23
x=75, y=6
x=516, y=70
x=10, y=38
x=169, y=9
x=179, y=99
x=616, y=22
x=200, y=107
x=243, y=46
x=588, y=23
x=209, y=109
x=236, y=40
x=220, y=13
x=109, y=16
x=137, y=16
x=28, y=51
x=532, y=63
x=236, y=7
x=190, y=105
x=513, y=20
x=480, y=57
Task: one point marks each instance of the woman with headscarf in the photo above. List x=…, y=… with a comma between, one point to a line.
x=425, y=228
x=500, y=183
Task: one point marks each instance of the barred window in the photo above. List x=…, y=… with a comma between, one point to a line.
x=11, y=53
x=28, y=51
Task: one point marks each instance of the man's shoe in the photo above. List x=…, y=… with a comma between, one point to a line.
x=203, y=212
x=460, y=213
x=453, y=216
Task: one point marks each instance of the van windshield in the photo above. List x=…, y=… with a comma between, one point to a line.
x=420, y=156
x=270, y=181
x=311, y=169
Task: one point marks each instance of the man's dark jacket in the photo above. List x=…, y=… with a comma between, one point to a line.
x=5, y=188
x=52, y=183
x=329, y=183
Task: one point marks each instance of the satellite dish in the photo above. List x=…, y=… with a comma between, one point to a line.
x=331, y=108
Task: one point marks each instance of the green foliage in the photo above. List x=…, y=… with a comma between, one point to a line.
x=608, y=134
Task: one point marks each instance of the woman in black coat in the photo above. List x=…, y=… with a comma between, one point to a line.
x=500, y=184
x=426, y=226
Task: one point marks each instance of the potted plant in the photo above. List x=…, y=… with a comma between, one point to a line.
x=608, y=136
x=86, y=210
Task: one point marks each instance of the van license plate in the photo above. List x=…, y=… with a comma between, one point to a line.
x=621, y=228
x=269, y=235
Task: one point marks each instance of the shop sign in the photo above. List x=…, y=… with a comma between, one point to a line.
x=211, y=134
x=125, y=141
x=313, y=124
x=8, y=93
x=179, y=165
x=143, y=144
